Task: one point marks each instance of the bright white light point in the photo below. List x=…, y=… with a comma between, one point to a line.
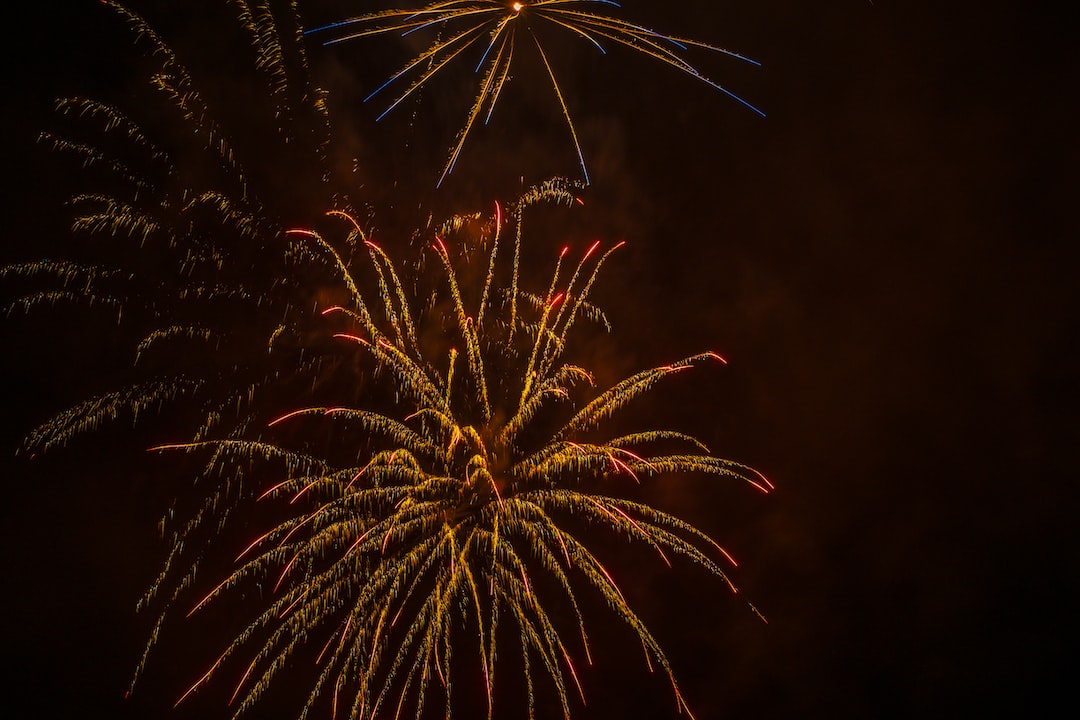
x=517, y=6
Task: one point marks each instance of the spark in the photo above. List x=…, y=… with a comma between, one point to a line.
x=459, y=493
x=454, y=489
x=460, y=24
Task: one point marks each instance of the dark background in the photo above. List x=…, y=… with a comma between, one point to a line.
x=888, y=260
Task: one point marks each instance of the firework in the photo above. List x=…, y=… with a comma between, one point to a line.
x=496, y=29
x=428, y=447
x=226, y=277
x=460, y=505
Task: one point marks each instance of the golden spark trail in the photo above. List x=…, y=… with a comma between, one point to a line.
x=499, y=21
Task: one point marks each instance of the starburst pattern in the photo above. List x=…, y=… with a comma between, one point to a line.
x=409, y=425
x=458, y=504
x=500, y=28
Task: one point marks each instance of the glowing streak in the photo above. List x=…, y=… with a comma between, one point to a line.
x=386, y=538
x=495, y=36
x=609, y=579
x=639, y=41
x=286, y=611
x=286, y=416
x=209, y=595
x=241, y=683
x=566, y=111
x=719, y=358
x=418, y=83
x=357, y=543
x=759, y=486
x=477, y=105
x=251, y=547
x=273, y=489
x=201, y=680
x=638, y=527
x=724, y=552
x=174, y=446
x=573, y=673
x=620, y=465
x=300, y=494
x=297, y=527
x=286, y=571
x=579, y=31
x=637, y=458
x=326, y=646
x=764, y=479
x=351, y=219
x=508, y=42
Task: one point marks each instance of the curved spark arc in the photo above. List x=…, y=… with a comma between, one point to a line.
x=503, y=18
x=562, y=104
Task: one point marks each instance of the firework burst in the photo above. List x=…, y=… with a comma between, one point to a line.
x=189, y=259
x=431, y=453
x=496, y=30
x=463, y=504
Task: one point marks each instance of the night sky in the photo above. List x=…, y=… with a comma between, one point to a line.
x=888, y=260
